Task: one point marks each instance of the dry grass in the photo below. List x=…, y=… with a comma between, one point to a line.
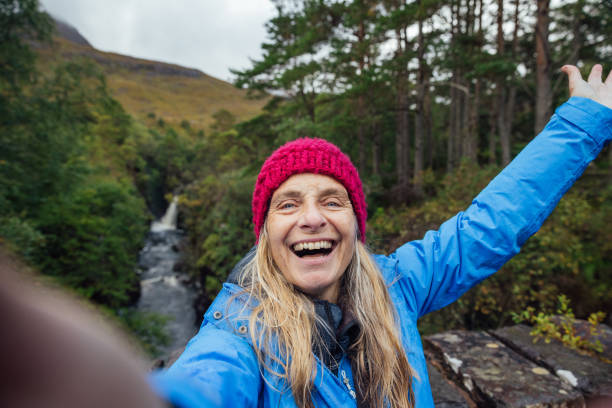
x=171, y=92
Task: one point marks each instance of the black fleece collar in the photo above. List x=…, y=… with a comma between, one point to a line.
x=337, y=331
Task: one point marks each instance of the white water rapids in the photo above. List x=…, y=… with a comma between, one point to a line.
x=165, y=291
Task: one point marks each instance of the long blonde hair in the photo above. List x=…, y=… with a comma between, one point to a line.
x=282, y=329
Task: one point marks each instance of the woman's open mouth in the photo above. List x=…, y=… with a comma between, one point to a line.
x=314, y=248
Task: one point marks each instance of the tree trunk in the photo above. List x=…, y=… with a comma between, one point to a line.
x=402, y=136
x=420, y=112
x=375, y=150
x=543, y=67
x=428, y=121
x=471, y=106
x=465, y=108
x=506, y=94
x=500, y=89
x=470, y=141
x=450, y=144
x=361, y=134
x=361, y=110
x=493, y=133
x=402, y=143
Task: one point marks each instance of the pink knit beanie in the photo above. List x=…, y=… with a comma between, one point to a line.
x=307, y=155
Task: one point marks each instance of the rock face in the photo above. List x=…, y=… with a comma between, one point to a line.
x=153, y=68
x=444, y=393
x=591, y=376
x=505, y=368
x=494, y=375
x=70, y=33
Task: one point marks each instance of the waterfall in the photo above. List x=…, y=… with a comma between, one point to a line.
x=164, y=290
x=168, y=221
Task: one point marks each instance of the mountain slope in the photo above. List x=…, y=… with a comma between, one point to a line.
x=146, y=88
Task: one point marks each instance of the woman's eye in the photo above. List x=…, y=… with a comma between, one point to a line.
x=286, y=206
x=332, y=204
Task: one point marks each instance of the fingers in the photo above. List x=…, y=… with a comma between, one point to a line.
x=609, y=79
x=595, y=75
x=573, y=75
x=571, y=70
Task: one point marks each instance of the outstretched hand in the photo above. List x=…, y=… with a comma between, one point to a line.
x=593, y=88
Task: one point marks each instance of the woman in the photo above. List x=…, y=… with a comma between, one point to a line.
x=312, y=319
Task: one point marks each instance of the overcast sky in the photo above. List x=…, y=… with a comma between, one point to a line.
x=210, y=35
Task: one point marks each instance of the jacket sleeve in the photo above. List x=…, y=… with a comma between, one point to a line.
x=218, y=368
x=435, y=271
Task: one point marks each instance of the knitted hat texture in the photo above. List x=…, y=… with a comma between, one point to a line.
x=307, y=155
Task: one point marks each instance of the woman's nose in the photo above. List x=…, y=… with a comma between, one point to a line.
x=311, y=217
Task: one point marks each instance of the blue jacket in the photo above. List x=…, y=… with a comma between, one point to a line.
x=219, y=367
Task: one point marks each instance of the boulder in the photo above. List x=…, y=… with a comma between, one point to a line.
x=592, y=376
x=445, y=394
x=495, y=375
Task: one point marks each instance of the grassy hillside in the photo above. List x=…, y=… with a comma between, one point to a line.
x=168, y=91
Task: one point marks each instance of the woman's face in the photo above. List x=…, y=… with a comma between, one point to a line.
x=312, y=232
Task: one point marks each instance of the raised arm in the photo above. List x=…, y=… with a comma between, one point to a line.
x=474, y=244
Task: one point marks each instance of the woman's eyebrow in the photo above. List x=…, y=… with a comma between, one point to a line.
x=285, y=195
x=334, y=192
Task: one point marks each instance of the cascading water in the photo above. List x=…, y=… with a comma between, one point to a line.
x=165, y=291
x=168, y=221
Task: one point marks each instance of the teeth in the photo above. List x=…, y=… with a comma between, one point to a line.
x=312, y=245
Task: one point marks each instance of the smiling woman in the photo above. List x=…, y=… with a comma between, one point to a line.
x=311, y=318
x=311, y=229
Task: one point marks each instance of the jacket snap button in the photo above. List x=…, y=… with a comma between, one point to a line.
x=217, y=315
x=242, y=329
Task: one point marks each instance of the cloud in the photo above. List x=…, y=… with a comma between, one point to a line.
x=211, y=35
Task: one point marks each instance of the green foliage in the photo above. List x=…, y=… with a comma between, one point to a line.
x=217, y=218
x=21, y=236
x=185, y=124
x=43, y=135
x=216, y=206
x=561, y=327
x=224, y=120
x=148, y=328
x=92, y=237
x=59, y=211
x=161, y=161
x=20, y=20
x=392, y=226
